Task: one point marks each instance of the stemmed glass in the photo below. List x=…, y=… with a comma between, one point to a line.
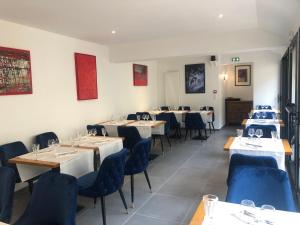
x=103, y=132
x=144, y=116
x=259, y=133
x=267, y=213
x=138, y=117
x=251, y=132
x=51, y=142
x=154, y=117
x=264, y=115
x=94, y=132
x=274, y=135
x=249, y=212
x=209, y=202
x=35, y=148
x=239, y=133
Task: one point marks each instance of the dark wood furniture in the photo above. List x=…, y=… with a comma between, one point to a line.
x=236, y=111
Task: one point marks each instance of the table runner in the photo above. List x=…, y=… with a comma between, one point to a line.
x=146, y=128
x=267, y=147
x=231, y=214
x=112, y=126
x=73, y=161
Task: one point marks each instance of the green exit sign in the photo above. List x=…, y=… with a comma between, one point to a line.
x=235, y=59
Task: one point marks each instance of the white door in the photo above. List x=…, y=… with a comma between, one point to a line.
x=172, y=88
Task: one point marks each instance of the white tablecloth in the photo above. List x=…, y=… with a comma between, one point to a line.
x=231, y=214
x=105, y=145
x=268, y=147
x=77, y=163
x=112, y=126
x=276, y=123
x=146, y=128
x=265, y=110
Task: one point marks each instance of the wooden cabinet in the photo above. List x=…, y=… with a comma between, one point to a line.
x=236, y=111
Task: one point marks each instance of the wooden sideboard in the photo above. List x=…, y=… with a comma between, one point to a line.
x=236, y=111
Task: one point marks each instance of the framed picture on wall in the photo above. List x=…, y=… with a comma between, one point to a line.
x=15, y=72
x=243, y=75
x=195, y=78
x=140, y=75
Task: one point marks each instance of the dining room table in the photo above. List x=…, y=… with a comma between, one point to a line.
x=225, y=213
x=276, y=148
x=278, y=123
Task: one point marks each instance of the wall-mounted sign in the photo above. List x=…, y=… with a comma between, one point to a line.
x=235, y=59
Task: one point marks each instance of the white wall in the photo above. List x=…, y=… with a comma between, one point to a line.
x=266, y=74
x=212, y=82
x=53, y=106
x=245, y=93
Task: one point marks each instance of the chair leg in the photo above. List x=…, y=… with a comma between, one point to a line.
x=186, y=133
x=209, y=125
x=30, y=186
x=123, y=199
x=148, y=180
x=132, y=190
x=95, y=202
x=212, y=123
x=190, y=134
x=103, y=210
x=162, y=145
x=205, y=133
x=154, y=140
x=167, y=136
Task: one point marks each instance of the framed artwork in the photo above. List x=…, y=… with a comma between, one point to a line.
x=86, y=76
x=15, y=72
x=243, y=75
x=195, y=78
x=140, y=75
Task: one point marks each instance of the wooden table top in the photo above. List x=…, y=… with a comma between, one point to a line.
x=244, y=122
x=285, y=142
x=198, y=216
x=3, y=223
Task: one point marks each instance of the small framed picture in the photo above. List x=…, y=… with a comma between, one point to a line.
x=243, y=75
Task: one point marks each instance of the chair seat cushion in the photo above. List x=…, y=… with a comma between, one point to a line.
x=87, y=180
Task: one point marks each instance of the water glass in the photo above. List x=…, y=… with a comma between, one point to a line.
x=103, y=132
x=138, y=117
x=50, y=143
x=239, y=133
x=251, y=132
x=267, y=213
x=209, y=202
x=154, y=117
x=94, y=132
x=35, y=149
x=274, y=135
x=259, y=133
x=249, y=212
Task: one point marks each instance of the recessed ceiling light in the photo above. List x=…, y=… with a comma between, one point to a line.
x=221, y=16
x=113, y=32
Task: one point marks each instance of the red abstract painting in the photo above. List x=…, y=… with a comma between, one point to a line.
x=140, y=75
x=15, y=72
x=86, y=76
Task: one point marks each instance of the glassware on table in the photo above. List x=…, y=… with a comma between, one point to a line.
x=274, y=135
x=209, y=202
x=259, y=133
x=51, y=143
x=35, y=149
x=248, y=212
x=103, y=132
x=264, y=115
x=239, y=133
x=267, y=214
x=94, y=132
x=251, y=132
x=250, y=115
x=154, y=117
x=138, y=117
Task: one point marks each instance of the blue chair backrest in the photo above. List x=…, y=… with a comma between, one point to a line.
x=131, y=117
x=187, y=108
x=42, y=139
x=264, y=107
x=142, y=114
x=131, y=135
x=139, y=157
x=111, y=174
x=165, y=108
x=98, y=129
x=194, y=121
x=259, y=115
x=53, y=201
x=7, y=188
x=237, y=160
x=263, y=185
x=9, y=151
x=173, y=120
x=165, y=117
x=267, y=129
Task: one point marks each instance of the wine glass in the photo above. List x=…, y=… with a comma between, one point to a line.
x=94, y=132
x=259, y=133
x=103, y=132
x=251, y=132
x=35, y=148
x=138, y=117
x=264, y=115
x=154, y=117
x=50, y=143
x=249, y=212
x=274, y=135
x=209, y=202
x=239, y=133
x=267, y=213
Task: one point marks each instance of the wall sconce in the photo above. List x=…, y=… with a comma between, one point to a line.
x=224, y=76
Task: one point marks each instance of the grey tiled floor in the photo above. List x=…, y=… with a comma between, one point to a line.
x=179, y=180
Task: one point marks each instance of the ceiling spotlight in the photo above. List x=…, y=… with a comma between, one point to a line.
x=221, y=16
x=113, y=32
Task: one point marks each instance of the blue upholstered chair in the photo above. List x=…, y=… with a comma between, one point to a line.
x=167, y=129
x=53, y=201
x=193, y=121
x=174, y=124
x=165, y=108
x=268, y=115
x=42, y=139
x=264, y=107
x=131, y=136
x=98, y=129
x=106, y=181
x=237, y=160
x=210, y=123
x=138, y=162
x=131, y=117
x=263, y=185
x=7, y=188
x=12, y=150
x=142, y=114
x=267, y=129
